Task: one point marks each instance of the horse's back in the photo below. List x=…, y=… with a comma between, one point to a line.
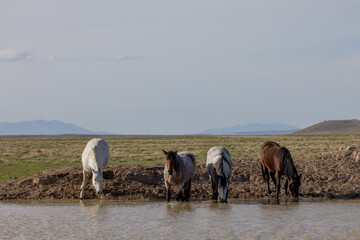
x=188, y=160
x=187, y=156
x=96, y=152
x=215, y=158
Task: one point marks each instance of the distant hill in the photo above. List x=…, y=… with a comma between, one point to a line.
x=253, y=129
x=332, y=127
x=41, y=127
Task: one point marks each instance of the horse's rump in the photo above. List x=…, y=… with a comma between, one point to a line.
x=270, y=156
x=95, y=154
x=219, y=157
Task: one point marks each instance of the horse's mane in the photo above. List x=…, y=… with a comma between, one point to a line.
x=172, y=155
x=288, y=164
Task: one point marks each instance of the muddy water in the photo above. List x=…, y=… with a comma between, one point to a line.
x=101, y=219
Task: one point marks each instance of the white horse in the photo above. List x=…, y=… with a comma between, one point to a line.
x=218, y=165
x=94, y=158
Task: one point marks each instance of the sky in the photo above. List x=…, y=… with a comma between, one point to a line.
x=179, y=67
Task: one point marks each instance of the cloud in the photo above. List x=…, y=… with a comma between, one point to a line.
x=55, y=58
x=120, y=58
x=12, y=55
x=51, y=57
x=123, y=58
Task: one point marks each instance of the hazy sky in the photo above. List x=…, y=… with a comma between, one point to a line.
x=177, y=67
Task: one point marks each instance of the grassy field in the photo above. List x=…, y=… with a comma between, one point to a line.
x=20, y=156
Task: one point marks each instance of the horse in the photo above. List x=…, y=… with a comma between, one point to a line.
x=277, y=161
x=179, y=169
x=94, y=158
x=218, y=165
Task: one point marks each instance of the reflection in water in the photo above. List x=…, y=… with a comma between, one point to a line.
x=104, y=219
x=94, y=213
x=175, y=208
x=91, y=207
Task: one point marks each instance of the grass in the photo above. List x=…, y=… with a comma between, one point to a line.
x=21, y=156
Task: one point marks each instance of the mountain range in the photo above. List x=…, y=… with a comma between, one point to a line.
x=253, y=129
x=42, y=127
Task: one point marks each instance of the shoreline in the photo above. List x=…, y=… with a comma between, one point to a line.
x=325, y=176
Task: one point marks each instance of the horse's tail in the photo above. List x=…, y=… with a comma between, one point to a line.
x=225, y=160
x=263, y=170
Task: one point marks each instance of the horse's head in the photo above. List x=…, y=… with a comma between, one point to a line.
x=97, y=178
x=170, y=161
x=294, y=185
x=223, y=188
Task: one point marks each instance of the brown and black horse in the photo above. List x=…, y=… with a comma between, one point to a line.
x=277, y=161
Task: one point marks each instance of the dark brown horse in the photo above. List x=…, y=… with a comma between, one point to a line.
x=277, y=161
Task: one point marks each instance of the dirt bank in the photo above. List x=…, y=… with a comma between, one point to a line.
x=331, y=175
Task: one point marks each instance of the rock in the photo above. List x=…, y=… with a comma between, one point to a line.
x=351, y=148
x=46, y=180
x=357, y=157
x=329, y=195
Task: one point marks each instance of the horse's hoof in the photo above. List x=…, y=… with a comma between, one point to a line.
x=179, y=198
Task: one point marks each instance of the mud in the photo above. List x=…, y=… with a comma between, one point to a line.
x=330, y=175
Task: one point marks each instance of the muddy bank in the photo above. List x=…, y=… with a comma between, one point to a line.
x=331, y=175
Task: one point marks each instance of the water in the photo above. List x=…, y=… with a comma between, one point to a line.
x=101, y=219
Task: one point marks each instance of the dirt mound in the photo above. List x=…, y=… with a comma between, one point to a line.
x=331, y=175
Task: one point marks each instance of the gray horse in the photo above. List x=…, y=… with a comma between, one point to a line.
x=218, y=165
x=179, y=169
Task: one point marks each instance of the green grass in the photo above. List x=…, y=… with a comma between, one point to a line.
x=21, y=156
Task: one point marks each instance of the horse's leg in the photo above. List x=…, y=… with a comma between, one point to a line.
x=187, y=188
x=214, y=182
x=268, y=180
x=272, y=175
x=180, y=196
x=85, y=179
x=286, y=187
x=278, y=176
x=168, y=193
